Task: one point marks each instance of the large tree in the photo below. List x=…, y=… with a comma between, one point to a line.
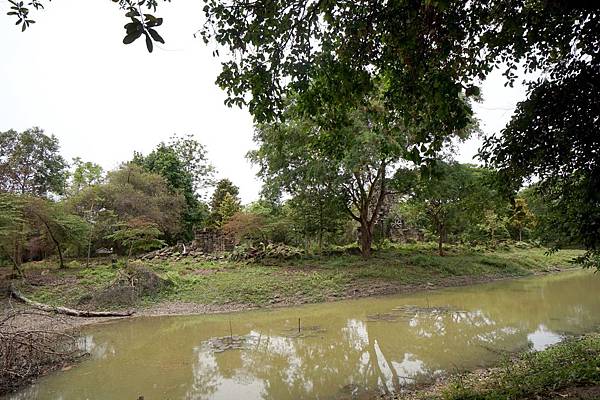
x=23, y=218
x=316, y=212
x=451, y=199
x=554, y=136
x=55, y=225
x=12, y=223
x=30, y=163
x=224, y=202
x=442, y=195
x=352, y=161
x=129, y=193
x=184, y=164
x=85, y=174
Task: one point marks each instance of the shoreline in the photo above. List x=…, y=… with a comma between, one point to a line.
x=182, y=309
x=169, y=308
x=435, y=387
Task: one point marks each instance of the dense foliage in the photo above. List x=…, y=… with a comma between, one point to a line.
x=183, y=164
x=224, y=203
x=45, y=210
x=345, y=168
x=425, y=60
x=30, y=163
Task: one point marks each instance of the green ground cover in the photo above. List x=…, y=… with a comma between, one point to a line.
x=307, y=279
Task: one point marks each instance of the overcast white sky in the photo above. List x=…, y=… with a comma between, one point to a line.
x=71, y=75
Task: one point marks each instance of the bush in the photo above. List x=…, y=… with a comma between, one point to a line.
x=536, y=375
x=131, y=284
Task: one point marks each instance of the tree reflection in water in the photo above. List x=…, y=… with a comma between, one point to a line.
x=352, y=353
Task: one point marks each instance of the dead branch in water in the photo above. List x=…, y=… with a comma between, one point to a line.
x=66, y=311
x=27, y=352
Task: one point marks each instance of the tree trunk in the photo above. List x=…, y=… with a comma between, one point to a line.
x=16, y=266
x=364, y=199
x=129, y=254
x=60, y=255
x=441, y=241
x=520, y=235
x=366, y=238
x=16, y=257
x=56, y=243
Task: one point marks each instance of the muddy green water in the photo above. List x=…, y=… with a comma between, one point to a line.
x=349, y=349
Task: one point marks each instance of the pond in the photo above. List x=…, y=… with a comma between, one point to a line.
x=343, y=350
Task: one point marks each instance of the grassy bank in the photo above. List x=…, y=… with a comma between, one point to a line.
x=308, y=279
x=568, y=370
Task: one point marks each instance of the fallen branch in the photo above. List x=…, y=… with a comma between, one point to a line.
x=26, y=353
x=64, y=310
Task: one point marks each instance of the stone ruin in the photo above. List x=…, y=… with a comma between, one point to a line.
x=213, y=242
x=208, y=245
x=400, y=232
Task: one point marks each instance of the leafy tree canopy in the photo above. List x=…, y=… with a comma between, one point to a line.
x=184, y=164
x=58, y=227
x=224, y=202
x=451, y=198
x=11, y=226
x=553, y=134
x=30, y=163
x=227, y=209
x=85, y=174
x=137, y=235
x=133, y=193
x=350, y=163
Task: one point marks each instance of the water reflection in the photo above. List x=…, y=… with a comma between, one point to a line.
x=352, y=349
x=542, y=338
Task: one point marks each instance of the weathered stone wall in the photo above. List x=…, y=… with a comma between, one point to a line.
x=400, y=232
x=213, y=242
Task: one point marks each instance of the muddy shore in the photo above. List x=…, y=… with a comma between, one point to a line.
x=180, y=308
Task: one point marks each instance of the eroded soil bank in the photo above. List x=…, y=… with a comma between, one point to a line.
x=206, y=287
x=200, y=286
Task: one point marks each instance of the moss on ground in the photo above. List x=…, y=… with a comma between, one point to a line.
x=307, y=279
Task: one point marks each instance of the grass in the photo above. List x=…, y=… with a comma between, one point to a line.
x=551, y=373
x=309, y=279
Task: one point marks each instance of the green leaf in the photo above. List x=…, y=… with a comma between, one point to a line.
x=149, y=44
x=156, y=36
x=473, y=91
x=132, y=37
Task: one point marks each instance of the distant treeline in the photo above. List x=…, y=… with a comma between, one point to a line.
x=49, y=207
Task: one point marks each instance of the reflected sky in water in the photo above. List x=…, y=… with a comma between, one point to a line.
x=346, y=350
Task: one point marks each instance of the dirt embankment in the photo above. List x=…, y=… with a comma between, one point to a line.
x=130, y=286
